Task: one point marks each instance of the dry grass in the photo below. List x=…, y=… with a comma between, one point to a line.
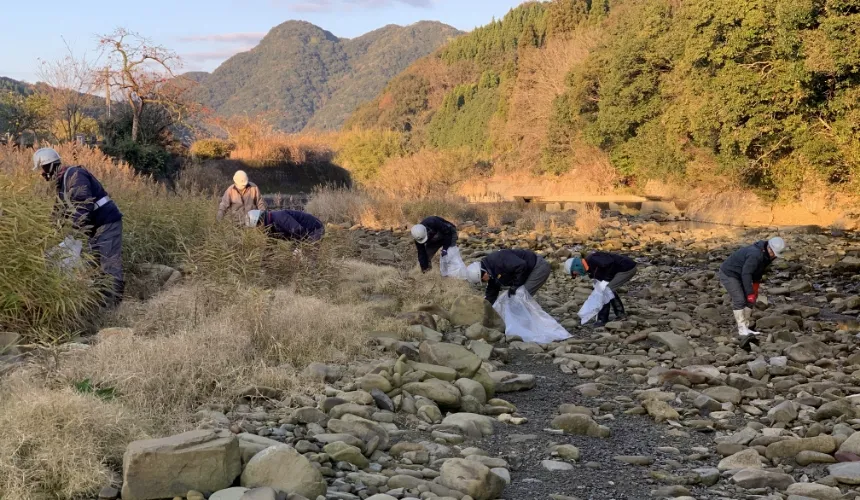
x=540, y=80
x=425, y=174
x=59, y=444
x=588, y=220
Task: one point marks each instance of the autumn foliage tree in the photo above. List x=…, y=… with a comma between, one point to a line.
x=68, y=84
x=143, y=73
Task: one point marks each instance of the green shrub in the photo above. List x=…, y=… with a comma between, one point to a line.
x=363, y=152
x=148, y=159
x=211, y=149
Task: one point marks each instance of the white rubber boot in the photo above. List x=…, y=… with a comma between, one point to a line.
x=747, y=317
x=743, y=325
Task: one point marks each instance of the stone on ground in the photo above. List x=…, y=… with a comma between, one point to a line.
x=457, y=357
x=470, y=309
x=472, y=478
x=580, y=425
x=284, y=469
x=164, y=468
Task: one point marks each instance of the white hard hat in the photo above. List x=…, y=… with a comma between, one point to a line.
x=419, y=232
x=240, y=178
x=45, y=156
x=473, y=273
x=254, y=217
x=776, y=244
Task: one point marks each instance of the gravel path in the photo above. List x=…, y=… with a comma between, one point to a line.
x=597, y=475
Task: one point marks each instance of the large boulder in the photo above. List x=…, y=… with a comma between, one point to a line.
x=342, y=452
x=283, y=469
x=660, y=411
x=366, y=430
x=470, y=309
x=472, y=425
x=442, y=393
x=789, y=448
x=754, y=478
x=454, y=356
x=674, y=342
x=745, y=459
x=469, y=387
x=472, y=478
x=808, y=351
x=204, y=460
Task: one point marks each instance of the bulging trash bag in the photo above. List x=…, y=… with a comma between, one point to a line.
x=451, y=265
x=523, y=316
x=601, y=296
x=67, y=255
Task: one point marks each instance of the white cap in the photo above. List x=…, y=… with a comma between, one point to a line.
x=45, y=156
x=240, y=178
x=473, y=273
x=776, y=244
x=419, y=232
x=254, y=217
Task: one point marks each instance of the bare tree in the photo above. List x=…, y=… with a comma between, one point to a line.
x=142, y=73
x=69, y=84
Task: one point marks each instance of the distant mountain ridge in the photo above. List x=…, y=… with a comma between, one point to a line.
x=305, y=77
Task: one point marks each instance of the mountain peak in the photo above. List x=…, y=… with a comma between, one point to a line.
x=301, y=75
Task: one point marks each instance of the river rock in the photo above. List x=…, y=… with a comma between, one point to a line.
x=580, y=425
x=470, y=309
x=805, y=458
x=366, y=430
x=465, y=362
x=201, y=460
x=846, y=473
x=755, y=478
x=724, y=394
x=435, y=371
x=284, y=469
x=660, y=411
x=675, y=343
x=342, y=452
x=789, y=448
x=509, y=382
x=443, y=393
x=807, y=351
x=472, y=478
x=473, y=425
x=469, y=387
x=814, y=490
x=746, y=459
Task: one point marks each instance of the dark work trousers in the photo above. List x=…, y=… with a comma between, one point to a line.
x=736, y=291
x=538, y=276
x=621, y=279
x=106, y=246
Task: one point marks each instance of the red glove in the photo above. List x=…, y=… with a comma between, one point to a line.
x=751, y=298
x=755, y=288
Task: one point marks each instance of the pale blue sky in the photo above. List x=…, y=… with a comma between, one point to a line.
x=205, y=32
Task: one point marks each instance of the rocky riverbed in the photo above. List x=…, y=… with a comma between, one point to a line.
x=665, y=404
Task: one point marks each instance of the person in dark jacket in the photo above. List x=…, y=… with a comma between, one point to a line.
x=240, y=198
x=432, y=234
x=288, y=224
x=741, y=275
x=510, y=268
x=605, y=266
x=82, y=199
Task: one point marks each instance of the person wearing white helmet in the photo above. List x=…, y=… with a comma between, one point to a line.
x=741, y=275
x=430, y=235
x=287, y=224
x=514, y=269
x=615, y=269
x=240, y=198
x=83, y=200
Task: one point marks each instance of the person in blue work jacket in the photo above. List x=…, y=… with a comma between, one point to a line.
x=287, y=224
x=83, y=200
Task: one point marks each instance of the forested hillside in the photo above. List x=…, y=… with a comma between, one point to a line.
x=301, y=75
x=756, y=93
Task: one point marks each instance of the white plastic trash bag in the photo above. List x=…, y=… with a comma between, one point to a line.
x=451, y=265
x=523, y=316
x=601, y=296
x=67, y=255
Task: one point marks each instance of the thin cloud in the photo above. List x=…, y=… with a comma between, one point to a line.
x=225, y=38
x=311, y=6
x=213, y=55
